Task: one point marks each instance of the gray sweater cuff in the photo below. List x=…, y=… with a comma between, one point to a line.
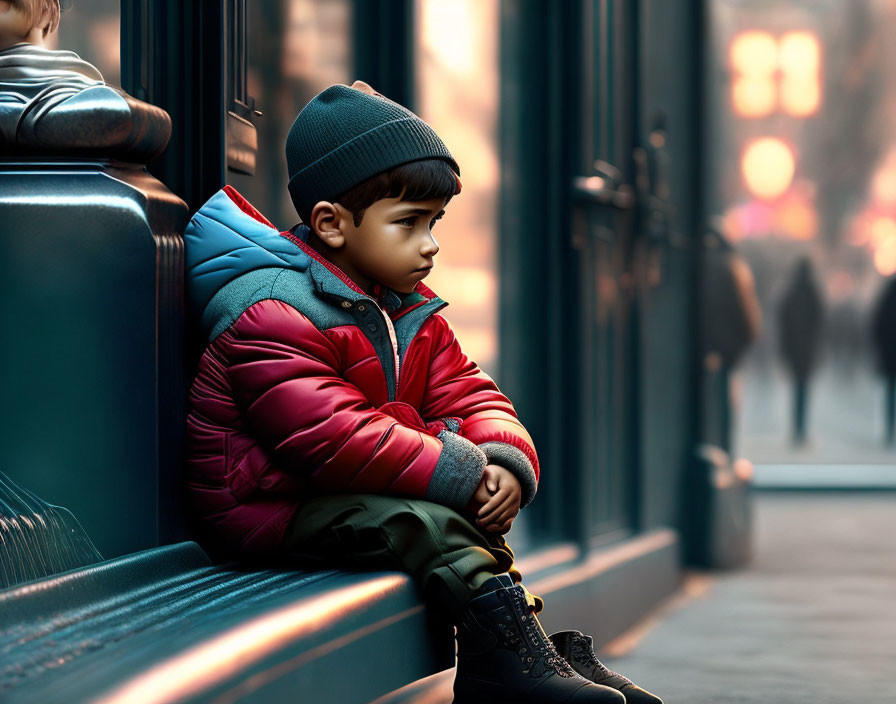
x=457, y=473
x=513, y=459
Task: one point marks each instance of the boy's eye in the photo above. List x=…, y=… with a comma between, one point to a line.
x=411, y=221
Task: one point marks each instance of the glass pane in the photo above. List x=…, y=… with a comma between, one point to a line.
x=296, y=49
x=92, y=29
x=457, y=93
x=801, y=108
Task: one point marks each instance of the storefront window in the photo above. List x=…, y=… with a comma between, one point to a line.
x=296, y=49
x=457, y=93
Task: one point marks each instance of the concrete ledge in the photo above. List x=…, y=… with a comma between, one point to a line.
x=821, y=477
x=165, y=625
x=612, y=588
x=604, y=595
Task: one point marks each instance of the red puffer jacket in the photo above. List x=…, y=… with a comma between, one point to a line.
x=308, y=384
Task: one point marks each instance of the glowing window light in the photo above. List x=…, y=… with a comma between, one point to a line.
x=464, y=285
x=800, y=97
x=799, y=57
x=885, y=257
x=753, y=96
x=441, y=19
x=754, y=54
x=797, y=219
x=768, y=167
x=883, y=185
x=882, y=230
x=799, y=54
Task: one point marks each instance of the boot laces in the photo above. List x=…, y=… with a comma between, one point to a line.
x=584, y=653
x=534, y=643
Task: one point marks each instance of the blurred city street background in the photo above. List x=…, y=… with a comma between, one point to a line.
x=846, y=411
x=804, y=99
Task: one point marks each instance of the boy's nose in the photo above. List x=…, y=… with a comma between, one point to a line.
x=430, y=247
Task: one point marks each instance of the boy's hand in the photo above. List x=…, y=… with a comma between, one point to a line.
x=505, y=494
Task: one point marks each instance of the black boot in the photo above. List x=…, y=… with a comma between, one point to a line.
x=503, y=655
x=578, y=649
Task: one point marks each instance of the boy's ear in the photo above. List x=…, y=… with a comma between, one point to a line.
x=327, y=223
x=47, y=17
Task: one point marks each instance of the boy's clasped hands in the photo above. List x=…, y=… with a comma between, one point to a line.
x=496, y=501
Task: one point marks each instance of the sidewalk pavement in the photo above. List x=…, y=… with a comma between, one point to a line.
x=845, y=418
x=813, y=619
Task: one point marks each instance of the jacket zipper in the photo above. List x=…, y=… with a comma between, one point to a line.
x=393, y=338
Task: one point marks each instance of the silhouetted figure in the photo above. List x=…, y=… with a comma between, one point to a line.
x=883, y=333
x=799, y=331
x=731, y=321
x=732, y=317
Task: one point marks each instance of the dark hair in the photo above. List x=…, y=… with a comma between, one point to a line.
x=416, y=180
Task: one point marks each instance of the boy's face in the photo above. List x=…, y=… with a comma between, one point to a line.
x=393, y=245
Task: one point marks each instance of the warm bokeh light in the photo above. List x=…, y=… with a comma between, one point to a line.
x=753, y=219
x=883, y=183
x=796, y=218
x=442, y=20
x=468, y=288
x=883, y=187
x=301, y=41
x=876, y=230
x=754, y=54
x=766, y=67
x=753, y=96
x=882, y=230
x=885, y=257
x=463, y=285
x=768, y=166
x=457, y=47
x=792, y=215
x=799, y=54
x=799, y=58
x=800, y=96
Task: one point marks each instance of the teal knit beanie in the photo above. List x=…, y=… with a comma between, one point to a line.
x=343, y=137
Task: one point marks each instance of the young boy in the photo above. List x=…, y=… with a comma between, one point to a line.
x=334, y=413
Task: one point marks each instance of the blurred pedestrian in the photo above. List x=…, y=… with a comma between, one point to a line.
x=800, y=319
x=732, y=319
x=731, y=312
x=883, y=333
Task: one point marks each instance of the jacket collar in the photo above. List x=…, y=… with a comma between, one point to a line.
x=330, y=281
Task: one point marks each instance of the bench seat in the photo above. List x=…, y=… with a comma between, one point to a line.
x=167, y=625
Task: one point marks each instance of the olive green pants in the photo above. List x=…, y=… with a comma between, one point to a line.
x=445, y=554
